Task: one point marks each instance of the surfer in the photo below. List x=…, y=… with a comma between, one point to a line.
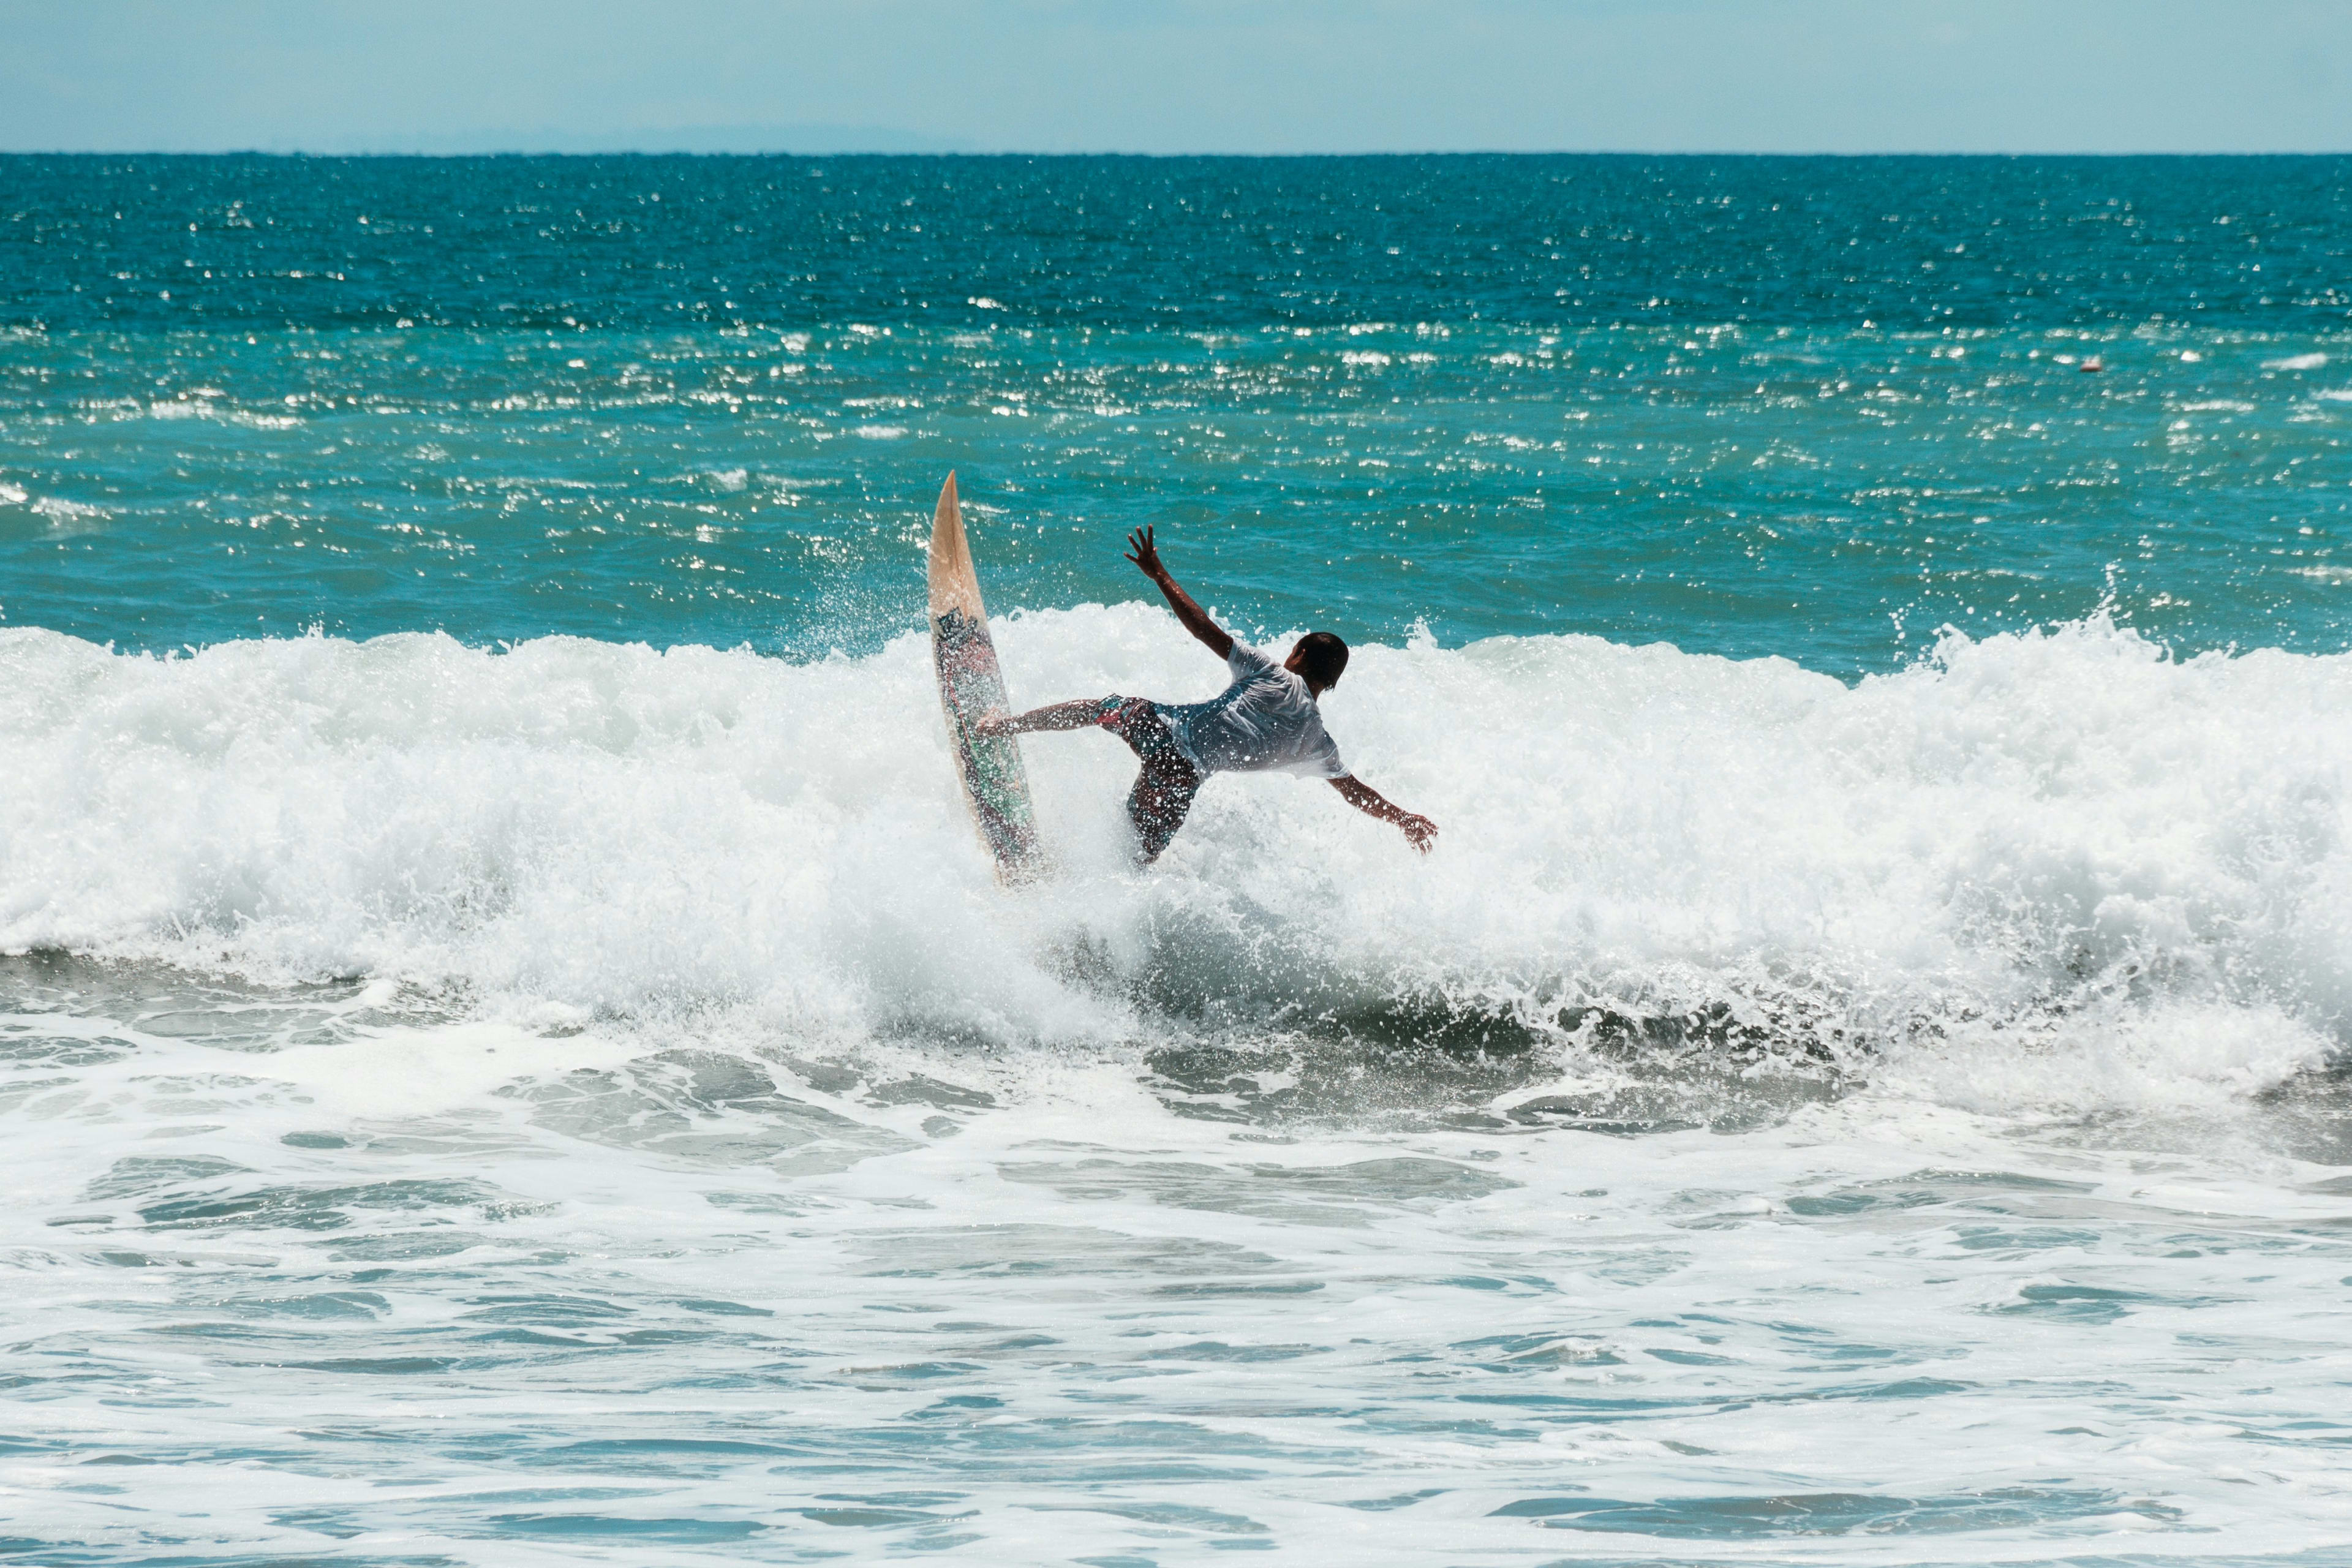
x=1266, y=718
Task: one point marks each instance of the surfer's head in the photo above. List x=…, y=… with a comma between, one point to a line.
x=1317, y=659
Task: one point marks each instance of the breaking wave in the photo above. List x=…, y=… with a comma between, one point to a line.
x=2059, y=868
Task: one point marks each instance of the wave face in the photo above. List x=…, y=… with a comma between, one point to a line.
x=2054, y=868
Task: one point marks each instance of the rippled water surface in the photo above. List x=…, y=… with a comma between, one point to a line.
x=474, y=1292
x=510, y=1051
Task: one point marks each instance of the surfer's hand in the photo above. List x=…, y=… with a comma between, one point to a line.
x=1140, y=550
x=1420, y=830
x=990, y=726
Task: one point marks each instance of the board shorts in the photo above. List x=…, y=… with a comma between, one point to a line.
x=1163, y=791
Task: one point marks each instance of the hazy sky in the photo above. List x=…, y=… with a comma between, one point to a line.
x=1168, y=75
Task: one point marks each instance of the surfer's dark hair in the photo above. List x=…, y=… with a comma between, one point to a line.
x=1325, y=656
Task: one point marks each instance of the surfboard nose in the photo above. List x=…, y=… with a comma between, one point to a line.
x=971, y=686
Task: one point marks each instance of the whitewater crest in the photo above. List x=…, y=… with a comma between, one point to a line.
x=2118, y=876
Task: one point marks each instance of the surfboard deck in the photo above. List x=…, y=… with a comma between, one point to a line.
x=995, y=785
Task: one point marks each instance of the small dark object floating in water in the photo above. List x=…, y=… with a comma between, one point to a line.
x=2092, y=365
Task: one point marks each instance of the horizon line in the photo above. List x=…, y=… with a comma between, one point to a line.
x=524, y=153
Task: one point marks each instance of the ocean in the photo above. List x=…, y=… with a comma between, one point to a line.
x=1862, y=1080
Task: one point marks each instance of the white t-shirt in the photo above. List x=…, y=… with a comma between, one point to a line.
x=1266, y=719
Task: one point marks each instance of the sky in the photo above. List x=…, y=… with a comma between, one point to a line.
x=1177, y=76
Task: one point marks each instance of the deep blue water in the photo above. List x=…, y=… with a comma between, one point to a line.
x=1803, y=407
x=1226, y=243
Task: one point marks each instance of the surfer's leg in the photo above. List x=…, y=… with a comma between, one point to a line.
x=1163, y=789
x=1158, y=805
x=1076, y=715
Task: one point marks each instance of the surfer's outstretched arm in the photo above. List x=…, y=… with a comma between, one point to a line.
x=1214, y=637
x=1371, y=803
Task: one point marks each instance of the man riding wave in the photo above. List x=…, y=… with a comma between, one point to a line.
x=1266, y=720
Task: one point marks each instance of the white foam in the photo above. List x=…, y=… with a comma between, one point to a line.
x=1989, y=853
x=72, y=517
x=2297, y=362
x=2052, y=876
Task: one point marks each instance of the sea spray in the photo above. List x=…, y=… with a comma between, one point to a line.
x=1974, y=854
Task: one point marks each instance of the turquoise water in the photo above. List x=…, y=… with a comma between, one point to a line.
x=1711, y=403
x=514, y=1051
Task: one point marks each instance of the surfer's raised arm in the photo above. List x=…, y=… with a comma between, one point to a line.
x=1213, y=637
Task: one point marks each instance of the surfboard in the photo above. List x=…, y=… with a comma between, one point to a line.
x=995, y=785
